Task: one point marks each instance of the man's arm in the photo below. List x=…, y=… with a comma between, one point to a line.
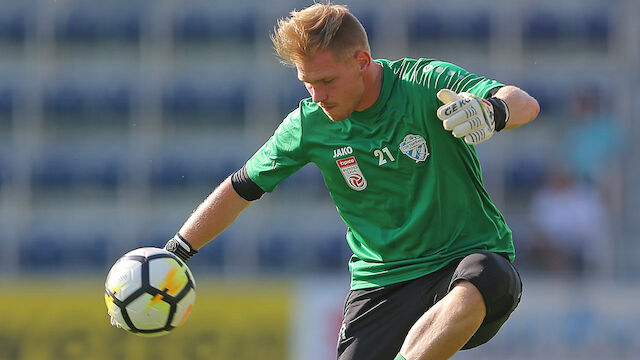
x=523, y=108
x=213, y=215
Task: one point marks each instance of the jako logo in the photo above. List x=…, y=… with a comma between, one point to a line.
x=347, y=150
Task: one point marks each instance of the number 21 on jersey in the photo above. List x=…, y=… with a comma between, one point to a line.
x=383, y=154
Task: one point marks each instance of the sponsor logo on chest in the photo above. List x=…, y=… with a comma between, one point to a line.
x=352, y=173
x=347, y=150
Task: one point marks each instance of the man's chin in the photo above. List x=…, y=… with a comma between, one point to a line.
x=335, y=117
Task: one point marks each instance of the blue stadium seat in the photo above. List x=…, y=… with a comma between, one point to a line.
x=220, y=103
x=525, y=173
x=75, y=167
x=64, y=98
x=425, y=25
x=228, y=100
x=53, y=170
x=175, y=170
x=115, y=98
x=473, y=26
x=368, y=19
x=124, y=24
x=598, y=26
x=551, y=97
x=78, y=25
x=542, y=25
x=53, y=248
x=88, y=250
x=108, y=173
x=276, y=253
x=290, y=95
x=203, y=25
x=8, y=98
x=77, y=103
x=42, y=250
x=181, y=98
x=332, y=253
x=212, y=256
x=170, y=171
x=14, y=24
x=5, y=170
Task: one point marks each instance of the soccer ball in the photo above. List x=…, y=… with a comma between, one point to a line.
x=149, y=292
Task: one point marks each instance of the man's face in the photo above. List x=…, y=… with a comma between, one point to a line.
x=336, y=86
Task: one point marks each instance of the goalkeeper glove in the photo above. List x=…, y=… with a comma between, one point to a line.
x=180, y=247
x=475, y=118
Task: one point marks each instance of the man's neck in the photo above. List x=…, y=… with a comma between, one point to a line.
x=373, y=86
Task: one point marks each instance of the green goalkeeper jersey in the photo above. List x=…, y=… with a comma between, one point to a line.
x=410, y=193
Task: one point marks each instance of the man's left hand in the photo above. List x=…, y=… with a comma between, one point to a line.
x=467, y=115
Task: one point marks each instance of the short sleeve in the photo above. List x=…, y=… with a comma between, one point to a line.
x=281, y=156
x=444, y=75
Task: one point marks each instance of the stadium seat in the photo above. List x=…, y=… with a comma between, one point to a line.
x=368, y=19
x=197, y=101
x=541, y=26
x=8, y=98
x=42, y=250
x=14, y=23
x=124, y=23
x=550, y=96
x=212, y=256
x=183, y=170
x=53, y=170
x=276, y=252
x=597, y=26
x=78, y=25
x=332, y=252
x=81, y=166
x=290, y=95
x=5, y=170
x=115, y=98
x=64, y=98
x=203, y=25
x=425, y=25
x=525, y=173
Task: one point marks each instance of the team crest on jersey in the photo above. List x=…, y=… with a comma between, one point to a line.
x=415, y=147
x=352, y=173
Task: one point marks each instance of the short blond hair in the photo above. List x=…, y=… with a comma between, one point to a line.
x=316, y=28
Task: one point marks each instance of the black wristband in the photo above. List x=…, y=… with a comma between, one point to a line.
x=500, y=112
x=180, y=247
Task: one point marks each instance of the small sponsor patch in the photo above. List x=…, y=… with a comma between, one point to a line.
x=415, y=147
x=352, y=173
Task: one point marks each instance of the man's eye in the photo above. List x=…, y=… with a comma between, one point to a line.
x=327, y=81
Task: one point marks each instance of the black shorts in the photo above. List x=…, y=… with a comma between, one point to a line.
x=377, y=320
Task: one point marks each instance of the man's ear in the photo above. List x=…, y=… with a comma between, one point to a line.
x=363, y=59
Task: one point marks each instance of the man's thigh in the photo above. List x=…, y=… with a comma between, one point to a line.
x=500, y=285
x=376, y=321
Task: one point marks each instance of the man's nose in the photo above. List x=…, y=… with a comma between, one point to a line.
x=318, y=95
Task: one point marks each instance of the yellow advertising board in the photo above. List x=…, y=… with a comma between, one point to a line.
x=67, y=319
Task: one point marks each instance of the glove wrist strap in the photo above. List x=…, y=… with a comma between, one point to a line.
x=500, y=112
x=180, y=247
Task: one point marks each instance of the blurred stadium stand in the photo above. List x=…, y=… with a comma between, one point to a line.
x=143, y=83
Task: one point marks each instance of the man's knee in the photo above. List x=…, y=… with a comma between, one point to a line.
x=469, y=296
x=499, y=283
x=495, y=278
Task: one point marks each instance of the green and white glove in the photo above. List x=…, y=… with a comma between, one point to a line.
x=470, y=116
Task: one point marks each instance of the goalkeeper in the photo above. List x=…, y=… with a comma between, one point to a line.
x=431, y=271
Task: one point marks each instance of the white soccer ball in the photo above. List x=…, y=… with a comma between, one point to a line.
x=149, y=292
